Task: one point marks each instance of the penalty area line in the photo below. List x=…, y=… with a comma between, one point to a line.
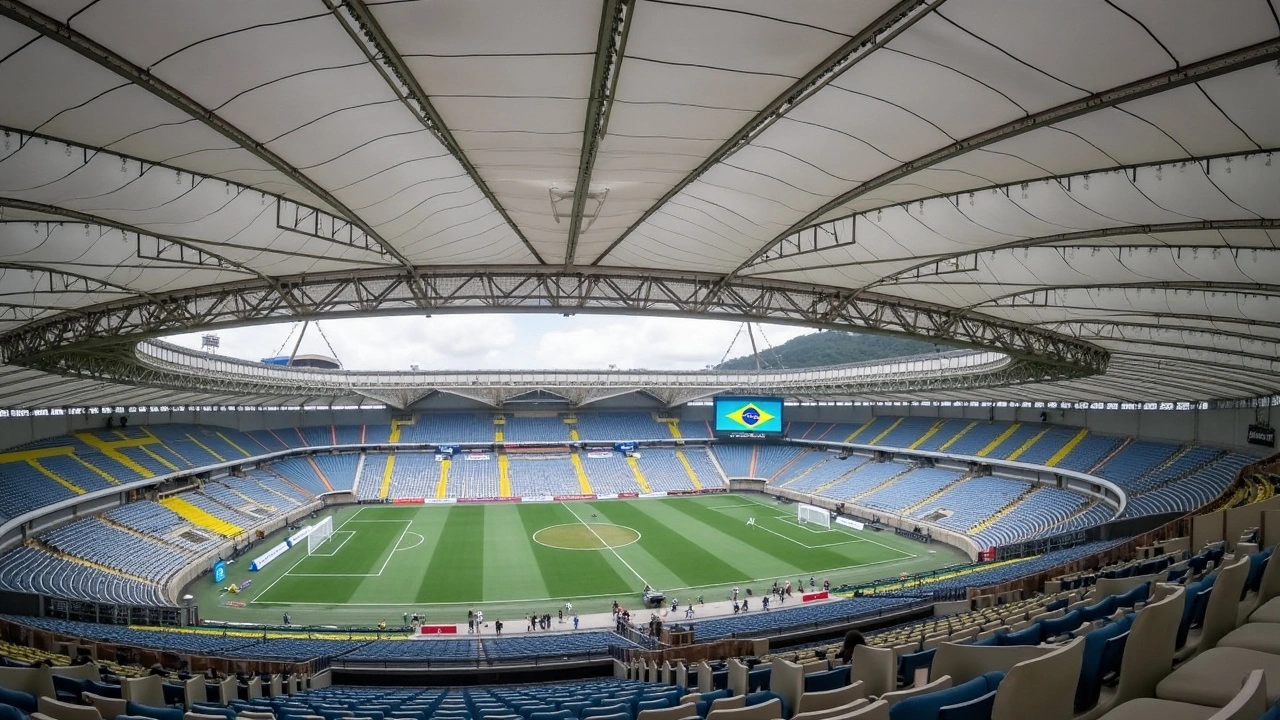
x=304, y=557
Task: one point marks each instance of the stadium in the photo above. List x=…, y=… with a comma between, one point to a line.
x=1060, y=504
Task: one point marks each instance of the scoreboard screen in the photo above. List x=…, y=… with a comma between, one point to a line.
x=748, y=415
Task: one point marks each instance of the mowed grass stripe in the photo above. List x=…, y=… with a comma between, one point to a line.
x=687, y=560
x=408, y=565
x=571, y=573
x=454, y=573
x=510, y=566
x=768, y=543
x=363, y=554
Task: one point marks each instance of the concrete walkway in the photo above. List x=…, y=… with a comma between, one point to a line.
x=639, y=616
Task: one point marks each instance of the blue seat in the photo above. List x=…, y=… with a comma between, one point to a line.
x=576, y=707
x=210, y=709
x=1059, y=604
x=551, y=715
x=606, y=710
x=156, y=713
x=758, y=679
x=909, y=663
x=1029, y=635
x=978, y=708
x=1094, y=664
x=992, y=639
x=1101, y=609
x=832, y=679
x=9, y=712
x=764, y=696
x=69, y=689
x=928, y=706
x=1134, y=596
x=24, y=702
x=1054, y=627
x=705, y=700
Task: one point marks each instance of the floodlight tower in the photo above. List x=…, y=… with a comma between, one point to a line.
x=210, y=342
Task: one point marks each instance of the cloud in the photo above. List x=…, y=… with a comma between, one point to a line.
x=504, y=341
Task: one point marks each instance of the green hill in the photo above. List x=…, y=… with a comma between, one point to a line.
x=833, y=348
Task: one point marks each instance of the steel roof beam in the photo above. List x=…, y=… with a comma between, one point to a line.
x=1196, y=72
x=524, y=289
x=615, y=22
x=884, y=29
x=382, y=55
x=81, y=44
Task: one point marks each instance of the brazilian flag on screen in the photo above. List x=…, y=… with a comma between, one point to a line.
x=758, y=415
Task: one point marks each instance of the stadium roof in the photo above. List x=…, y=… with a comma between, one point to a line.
x=1088, y=186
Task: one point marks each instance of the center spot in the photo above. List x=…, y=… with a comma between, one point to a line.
x=594, y=536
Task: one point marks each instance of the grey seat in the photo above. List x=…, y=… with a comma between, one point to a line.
x=1213, y=677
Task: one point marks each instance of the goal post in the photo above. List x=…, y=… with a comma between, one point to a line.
x=813, y=515
x=322, y=531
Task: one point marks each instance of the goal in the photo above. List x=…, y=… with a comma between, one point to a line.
x=323, y=531
x=812, y=514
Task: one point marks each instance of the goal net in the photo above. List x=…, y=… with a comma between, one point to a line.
x=814, y=515
x=323, y=531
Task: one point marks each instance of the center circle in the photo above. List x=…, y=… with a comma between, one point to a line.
x=592, y=536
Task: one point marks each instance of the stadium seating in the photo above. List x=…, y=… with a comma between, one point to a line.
x=540, y=428
x=907, y=490
x=735, y=459
x=827, y=470
x=540, y=474
x=24, y=488
x=771, y=459
x=401, y=651
x=302, y=473
x=760, y=622
x=619, y=426
x=1040, y=512
x=473, y=475
x=664, y=471
x=162, y=523
x=907, y=432
x=973, y=500
x=609, y=473
x=416, y=476
x=370, y=485
x=559, y=644
x=93, y=540
x=31, y=570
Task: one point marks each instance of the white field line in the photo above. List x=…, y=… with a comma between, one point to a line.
x=605, y=544
x=304, y=557
x=844, y=531
x=346, y=535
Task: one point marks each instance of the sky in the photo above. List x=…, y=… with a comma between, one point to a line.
x=506, y=341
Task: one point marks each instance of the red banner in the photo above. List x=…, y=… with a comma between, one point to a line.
x=438, y=630
x=560, y=498
x=488, y=499
x=408, y=501
x=811, y=597
x=628, y=496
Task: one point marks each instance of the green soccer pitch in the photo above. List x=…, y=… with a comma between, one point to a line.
x=515, y=558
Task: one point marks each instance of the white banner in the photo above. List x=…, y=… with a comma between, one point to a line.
x=653, y=495
x=441, y=457
x=262, y=560
x=537, y=498
x=439, y=501
x=607, y=496
x=476, y=456
x=300, y=535
x=605, y=455
x=850, y=523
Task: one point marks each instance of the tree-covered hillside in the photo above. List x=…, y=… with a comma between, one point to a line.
x=833, y=348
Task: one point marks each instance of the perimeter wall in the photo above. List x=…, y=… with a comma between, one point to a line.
x=1224, y=428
